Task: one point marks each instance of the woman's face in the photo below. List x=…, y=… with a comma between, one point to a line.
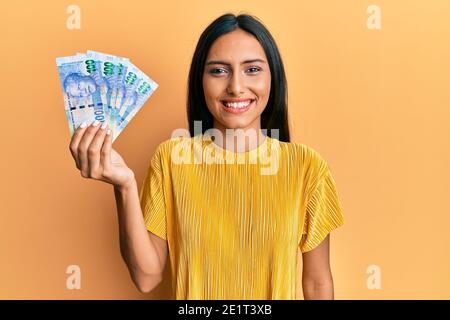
x=236, y=69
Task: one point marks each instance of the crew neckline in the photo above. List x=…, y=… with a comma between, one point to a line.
x=260, y=146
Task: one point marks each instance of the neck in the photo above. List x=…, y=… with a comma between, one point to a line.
x=239, y=139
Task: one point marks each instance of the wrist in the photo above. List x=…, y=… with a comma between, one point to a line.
x=127, y=186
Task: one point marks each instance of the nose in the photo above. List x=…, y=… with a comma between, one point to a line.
x=235, y=85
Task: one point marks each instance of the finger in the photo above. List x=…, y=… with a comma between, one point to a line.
x=83, y=147
x=75, y=140
x=94, y=152
x=105, y=155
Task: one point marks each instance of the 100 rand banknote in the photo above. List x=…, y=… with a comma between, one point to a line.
x=97, y=86
x=128, y=87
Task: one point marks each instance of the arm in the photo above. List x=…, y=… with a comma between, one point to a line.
x=317, y=280
x=143, y=252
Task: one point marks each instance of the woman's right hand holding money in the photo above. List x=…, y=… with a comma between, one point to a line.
x=94, y=157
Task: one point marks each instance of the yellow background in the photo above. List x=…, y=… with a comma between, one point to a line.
x=374, y=103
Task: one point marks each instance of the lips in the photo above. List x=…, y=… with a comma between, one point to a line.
x=235, y=110
x=236, y=100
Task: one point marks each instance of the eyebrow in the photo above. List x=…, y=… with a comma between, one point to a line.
x=229, y=64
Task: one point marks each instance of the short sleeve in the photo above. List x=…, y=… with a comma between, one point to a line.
x=152, y=198
x=323, y=211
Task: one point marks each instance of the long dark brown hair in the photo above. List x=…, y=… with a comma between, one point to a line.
x=275, y=115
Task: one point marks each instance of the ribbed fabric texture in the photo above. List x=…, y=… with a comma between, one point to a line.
x=233, y=232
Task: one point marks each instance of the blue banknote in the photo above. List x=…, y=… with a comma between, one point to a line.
x=104, y=87
x=82, y=94
x=109, y=67
x=135, y=100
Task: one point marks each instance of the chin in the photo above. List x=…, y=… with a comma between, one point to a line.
x=236, y=124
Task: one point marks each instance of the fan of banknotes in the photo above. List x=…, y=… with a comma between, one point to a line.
x=103, y=87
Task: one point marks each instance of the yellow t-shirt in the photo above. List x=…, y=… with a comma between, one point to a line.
x=234, y=221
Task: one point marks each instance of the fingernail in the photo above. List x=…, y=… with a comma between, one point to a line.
x=104, y=125
x=108, y=132
x=95, y=123
x=83, y=125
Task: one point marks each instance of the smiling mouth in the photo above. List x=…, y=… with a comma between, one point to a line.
x=237, y=107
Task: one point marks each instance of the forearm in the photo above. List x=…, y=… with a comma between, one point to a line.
x=136, y=247
x=318, y=289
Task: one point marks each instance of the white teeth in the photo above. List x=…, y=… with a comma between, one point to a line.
x=239, y=105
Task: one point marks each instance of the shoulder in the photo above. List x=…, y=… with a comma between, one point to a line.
x=167, y=144
x=164, y=149
x=308, y=158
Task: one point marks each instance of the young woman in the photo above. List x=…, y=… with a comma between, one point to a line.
x=231, y=229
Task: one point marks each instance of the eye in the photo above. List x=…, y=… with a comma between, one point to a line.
x=214, y=71
x=254, y=68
